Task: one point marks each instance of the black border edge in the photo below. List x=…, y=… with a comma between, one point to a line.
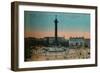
x=55, y=5
x=96, y=36
x=14, y=36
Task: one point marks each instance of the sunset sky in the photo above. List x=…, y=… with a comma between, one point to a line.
x=41, y=24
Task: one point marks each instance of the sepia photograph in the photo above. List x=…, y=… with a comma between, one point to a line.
x=56, y=35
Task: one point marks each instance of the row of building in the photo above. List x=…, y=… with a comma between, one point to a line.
x=61, y=41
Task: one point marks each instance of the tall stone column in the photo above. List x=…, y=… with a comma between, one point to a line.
x=56, y=30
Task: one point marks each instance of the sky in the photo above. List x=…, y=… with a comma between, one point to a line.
x=41, y=24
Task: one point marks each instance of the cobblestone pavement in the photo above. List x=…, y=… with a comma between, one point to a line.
x=79, y=53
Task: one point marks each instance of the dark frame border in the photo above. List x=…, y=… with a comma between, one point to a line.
x=15, y=33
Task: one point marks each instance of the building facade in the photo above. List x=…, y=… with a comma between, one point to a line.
x=76, y=42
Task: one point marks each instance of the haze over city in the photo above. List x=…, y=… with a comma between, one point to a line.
x=41, y=24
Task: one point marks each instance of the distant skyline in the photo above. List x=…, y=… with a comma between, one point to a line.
x=41, y=24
